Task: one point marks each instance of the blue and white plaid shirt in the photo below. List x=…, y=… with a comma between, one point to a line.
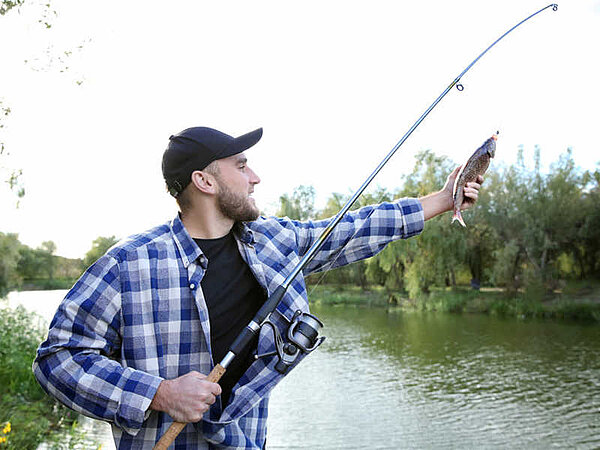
x=138, y=316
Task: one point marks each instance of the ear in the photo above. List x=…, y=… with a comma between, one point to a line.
x=204, y=182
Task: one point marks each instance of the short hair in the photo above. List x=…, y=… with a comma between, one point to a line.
x=184, y=199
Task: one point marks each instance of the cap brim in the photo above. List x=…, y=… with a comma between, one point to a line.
x=241, y=143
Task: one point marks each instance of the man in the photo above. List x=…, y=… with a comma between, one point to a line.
x=134, y=338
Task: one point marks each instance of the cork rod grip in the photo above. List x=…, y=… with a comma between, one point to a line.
x=177, y=427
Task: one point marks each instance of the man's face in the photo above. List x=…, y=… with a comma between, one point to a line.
x=235, y=185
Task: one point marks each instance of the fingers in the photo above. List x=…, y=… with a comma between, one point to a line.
x=206, y=396
x=190, y=396
x=208, y=399
x=472, y=187
x=453, y=175
x=448, y=187
x=214, y=388
x=471, y=192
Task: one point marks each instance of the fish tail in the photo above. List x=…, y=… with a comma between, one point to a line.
x=458, y=216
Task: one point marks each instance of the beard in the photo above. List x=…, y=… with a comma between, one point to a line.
x=238, y=207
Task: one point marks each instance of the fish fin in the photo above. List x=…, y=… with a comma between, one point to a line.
x=457, y=216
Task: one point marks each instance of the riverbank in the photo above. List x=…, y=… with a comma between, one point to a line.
x=577, y=301
x=30, y=416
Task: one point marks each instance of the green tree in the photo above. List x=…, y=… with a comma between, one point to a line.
x=66, y=268
x=506, y=270
x=41, y=268
x=357, y=273
x=99, y=247
x=481, y=237
x=9, y=260
x=551, y=212
x=586, y=249
x=31, y=263
x=46, y=253
x=435, y=257
x=300, y=205
x=536, y=218
x=333, y=205
x=507, y=193
x=11, y=176
x=7, y=5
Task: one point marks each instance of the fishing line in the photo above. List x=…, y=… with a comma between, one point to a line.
x=308, y=326
x=460, y=87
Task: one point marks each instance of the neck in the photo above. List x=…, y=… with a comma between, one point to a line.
x=207, y=223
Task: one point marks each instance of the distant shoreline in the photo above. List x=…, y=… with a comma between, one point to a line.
x=580, y=305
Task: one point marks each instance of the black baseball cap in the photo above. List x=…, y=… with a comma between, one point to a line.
x=195, y=148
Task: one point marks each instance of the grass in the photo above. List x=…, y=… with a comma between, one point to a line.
x=577, y=301
x=30, y=415
x=347, y=295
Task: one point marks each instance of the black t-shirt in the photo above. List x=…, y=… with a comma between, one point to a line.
x=233, y=296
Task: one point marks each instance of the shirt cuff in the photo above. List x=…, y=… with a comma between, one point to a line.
x=137, y=395
x=413, y=217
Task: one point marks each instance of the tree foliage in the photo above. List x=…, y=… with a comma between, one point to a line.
x=9, y=260
x=529, y=230
x=300, y=205
x=99, y=247
x=7, y=5
x=10, y=175
x=23, y=266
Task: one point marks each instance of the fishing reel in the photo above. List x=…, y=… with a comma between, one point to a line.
x=303, y=338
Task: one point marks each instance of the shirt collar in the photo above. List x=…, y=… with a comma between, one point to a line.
x=243, y=232
x=187, y=247
x=190, y=251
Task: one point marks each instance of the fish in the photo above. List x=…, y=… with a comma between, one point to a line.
x=476, y=165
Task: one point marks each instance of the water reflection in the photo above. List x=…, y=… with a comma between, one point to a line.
x=441, y=381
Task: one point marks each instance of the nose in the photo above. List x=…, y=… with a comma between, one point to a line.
x=254, y=179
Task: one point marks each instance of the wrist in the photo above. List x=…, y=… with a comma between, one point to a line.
x=159, y=402
x=436, y=203
x=446, y=200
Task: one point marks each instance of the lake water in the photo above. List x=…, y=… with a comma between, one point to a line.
x=394, y=380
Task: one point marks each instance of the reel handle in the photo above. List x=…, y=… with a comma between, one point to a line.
x=177, y=427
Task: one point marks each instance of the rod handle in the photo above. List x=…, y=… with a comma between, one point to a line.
x=177, y=427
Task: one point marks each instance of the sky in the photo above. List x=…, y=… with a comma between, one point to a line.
x=334, y=84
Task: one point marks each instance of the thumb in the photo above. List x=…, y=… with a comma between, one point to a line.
x=451, y=179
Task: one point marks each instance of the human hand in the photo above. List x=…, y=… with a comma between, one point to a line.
x=471, y=190
x=186, y=398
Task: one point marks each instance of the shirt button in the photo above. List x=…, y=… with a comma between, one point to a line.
x=192, y=286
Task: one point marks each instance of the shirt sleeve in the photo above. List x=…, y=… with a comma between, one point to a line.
x=360, y=234
x=75, y=364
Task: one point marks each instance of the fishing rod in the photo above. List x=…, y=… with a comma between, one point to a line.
x=304, y=328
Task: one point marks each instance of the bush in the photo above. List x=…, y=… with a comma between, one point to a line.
x=33, y=416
